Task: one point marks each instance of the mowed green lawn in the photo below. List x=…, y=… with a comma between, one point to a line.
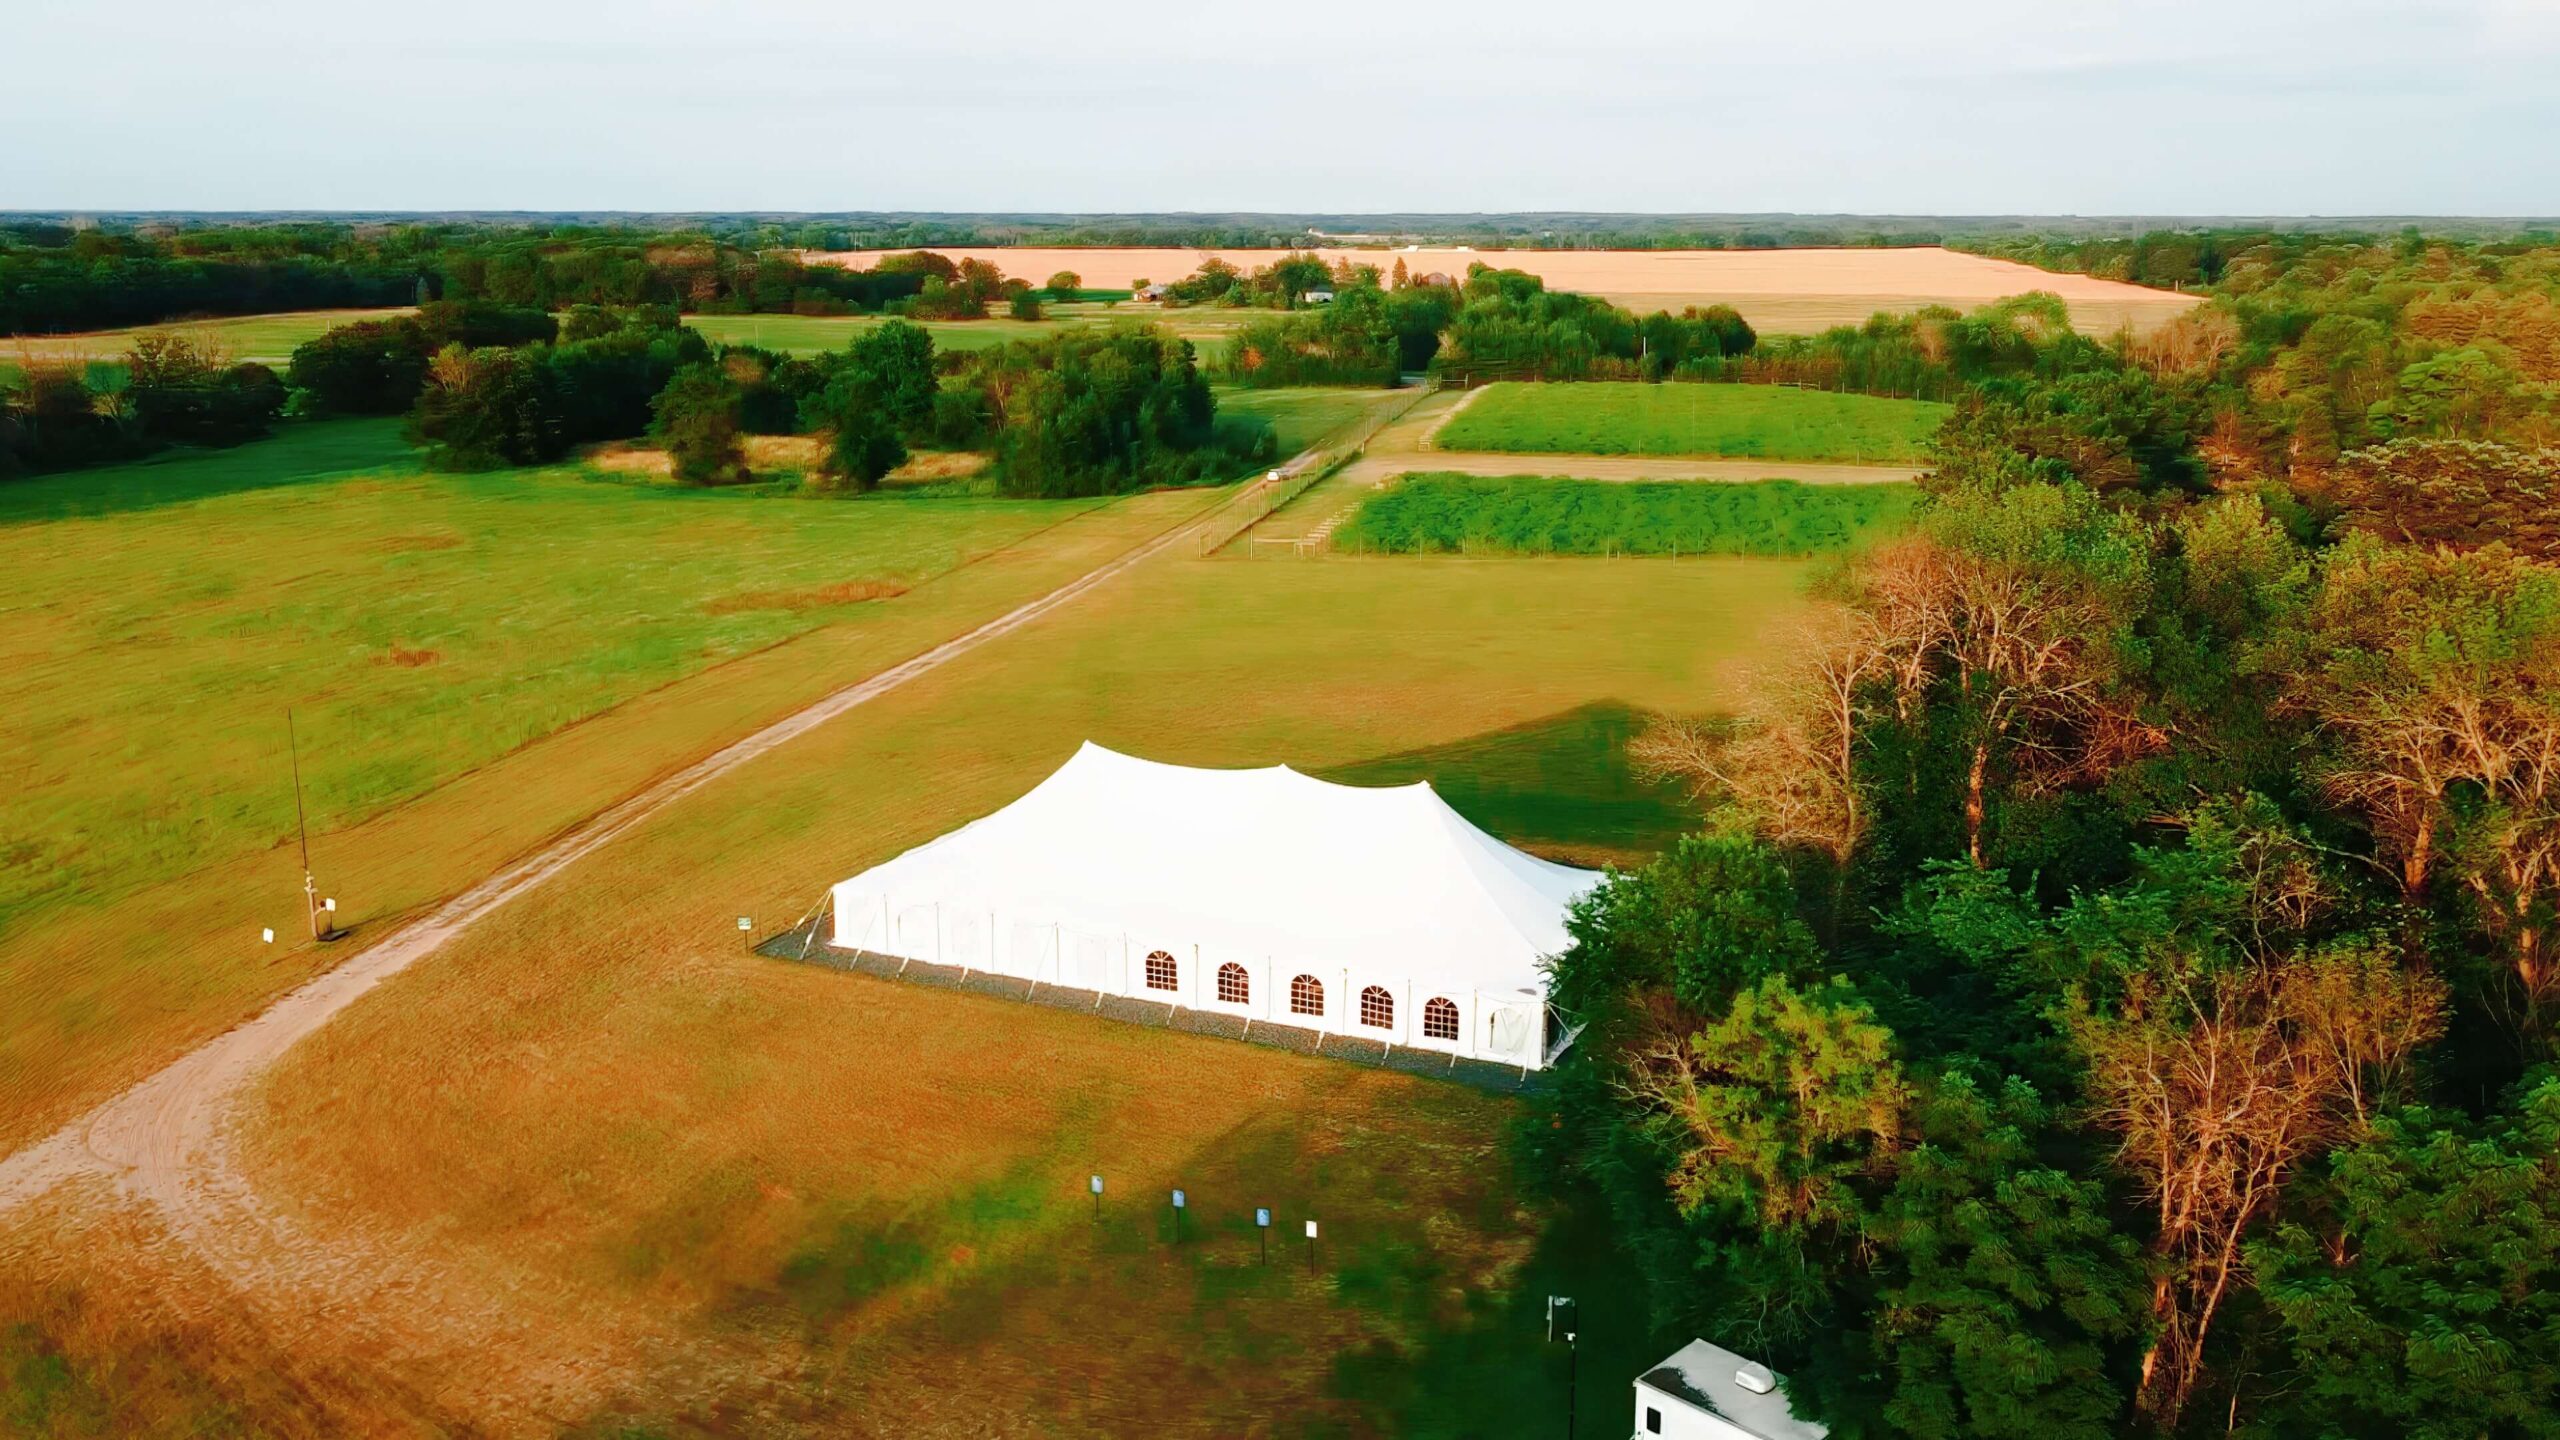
x=162, y=617
x=1553, y=515
x=1764, y=422
x=1300, y=418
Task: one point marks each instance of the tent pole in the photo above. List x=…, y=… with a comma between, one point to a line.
x=817, y=916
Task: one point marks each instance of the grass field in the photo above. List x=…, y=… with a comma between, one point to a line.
x=269, y=339
x=1549, y=515
x=709, y=1193
x=419, y=624
x=1299, y=418
x=657, y=1145
x=163, y=617
x=1759, y=422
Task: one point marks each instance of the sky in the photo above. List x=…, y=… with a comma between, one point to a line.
x=2248, y=107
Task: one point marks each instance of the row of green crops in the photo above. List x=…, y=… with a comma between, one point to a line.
x=1546, y=515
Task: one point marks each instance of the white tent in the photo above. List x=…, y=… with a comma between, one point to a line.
x=1264, y=894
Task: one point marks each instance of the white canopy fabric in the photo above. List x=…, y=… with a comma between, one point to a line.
x=1269, y=877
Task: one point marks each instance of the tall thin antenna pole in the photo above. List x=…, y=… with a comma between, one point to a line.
x=301, y=826
x=320, y=928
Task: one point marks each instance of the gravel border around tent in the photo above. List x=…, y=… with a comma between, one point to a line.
x=803, y=945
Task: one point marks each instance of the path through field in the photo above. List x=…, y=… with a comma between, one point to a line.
x=166, y=1141
x=1655, y=467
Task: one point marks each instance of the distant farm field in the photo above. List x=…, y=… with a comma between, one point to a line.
x=1546, y=515
x=1779, y=291
x=268, y=339
x=1760, y=422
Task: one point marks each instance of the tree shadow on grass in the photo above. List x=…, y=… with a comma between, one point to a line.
x=1496, y=1373
x=300, y=452
x=1561, y=787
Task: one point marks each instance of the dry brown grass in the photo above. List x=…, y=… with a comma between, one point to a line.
x=815, y=597
x=768, y=454
x=1780, y=291
x=108, y=1329
x=412, y=544
x=408, y=657
x=598, y=1104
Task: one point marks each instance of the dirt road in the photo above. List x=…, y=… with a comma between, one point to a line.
x=1649, y=467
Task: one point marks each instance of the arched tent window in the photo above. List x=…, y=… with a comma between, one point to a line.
x=1306, y=996
x=1234, y=986
x=1161, y=974
x=1378, y=1008
x=1440, y=1018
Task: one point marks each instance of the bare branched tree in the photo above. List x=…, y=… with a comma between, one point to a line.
x=1791, y=762
x=2438, y=684
x=2028, y=659
x=2219, y=1085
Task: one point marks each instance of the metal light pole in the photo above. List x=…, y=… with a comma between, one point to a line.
x=1572, y=1355
x=1572, y=1380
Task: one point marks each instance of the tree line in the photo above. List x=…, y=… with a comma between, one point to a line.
x=2114, y=992
x=1090, y=411
x=55, y=280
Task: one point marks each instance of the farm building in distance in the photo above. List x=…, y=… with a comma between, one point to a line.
x=1264, y=894
x=1706, y=1392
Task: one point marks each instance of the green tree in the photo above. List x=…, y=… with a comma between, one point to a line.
x=2421, y=1296
x=487, y=408
x=2463, y=394
x=1065, y=285
x=2003, y=1294
x=892, y=363
x=1025, y=306
x=696, y=418
x=1715, y=915
x=863, y=443
x=372, y=367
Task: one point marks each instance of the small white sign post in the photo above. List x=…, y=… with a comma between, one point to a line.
x=1262, y=1227
x=1311, y=1247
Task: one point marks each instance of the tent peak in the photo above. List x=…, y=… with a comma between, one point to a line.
x=1100, y=750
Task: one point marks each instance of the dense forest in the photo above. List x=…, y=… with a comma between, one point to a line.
x=2115, y=992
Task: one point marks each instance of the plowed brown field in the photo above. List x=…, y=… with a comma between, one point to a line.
x=1782, y=291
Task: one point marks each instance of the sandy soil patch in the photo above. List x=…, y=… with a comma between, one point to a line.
x=769, y=453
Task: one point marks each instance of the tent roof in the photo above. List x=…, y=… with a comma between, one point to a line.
x=1255, y=863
